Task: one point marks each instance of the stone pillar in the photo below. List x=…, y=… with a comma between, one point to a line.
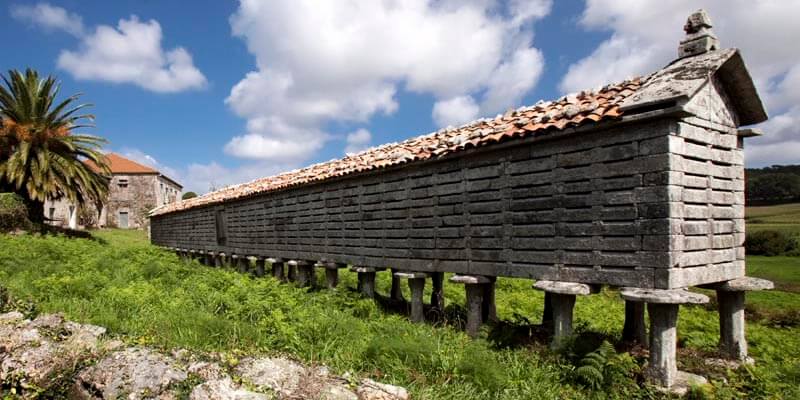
x=730, y=303
x=437, y=295
x=416, y=282
x=396, y=293
x=634, y=330
x=276, y=265
x=291, y=273
x=331, y=273
x=219, y=260
x=562, y=301
x=366, y=281
x=303, y=272
x=475, y=288
x=662, y=306
x=489, y=308
x=260, y=264
x=240, y=263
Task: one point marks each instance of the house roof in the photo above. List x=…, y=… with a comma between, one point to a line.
x=585, y=108
x=121, y=165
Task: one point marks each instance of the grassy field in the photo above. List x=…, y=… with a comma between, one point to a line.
x=783, y=217
x=146, y=295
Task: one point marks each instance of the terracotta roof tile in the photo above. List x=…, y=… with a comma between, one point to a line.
x=569, y=111
x=122, y=165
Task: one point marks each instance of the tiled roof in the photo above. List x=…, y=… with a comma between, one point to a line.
x=569, y=111
x=121, y=165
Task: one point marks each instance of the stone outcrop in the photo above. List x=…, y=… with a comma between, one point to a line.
x=57, y=358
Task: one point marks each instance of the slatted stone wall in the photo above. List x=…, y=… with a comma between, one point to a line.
x=636, y=205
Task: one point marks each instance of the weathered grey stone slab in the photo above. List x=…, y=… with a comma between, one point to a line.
x=746, y=284
x=572, y=288
x=362, y=270
x=663, y=296
x=469, y=279
x=411, y=275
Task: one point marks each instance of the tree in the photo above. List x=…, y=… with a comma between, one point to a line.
x=188, y=195
x=41, y=156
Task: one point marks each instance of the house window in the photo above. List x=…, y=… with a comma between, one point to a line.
x=51, y=213
x=123, y=183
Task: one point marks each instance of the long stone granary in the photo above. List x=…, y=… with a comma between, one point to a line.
x=639, y=184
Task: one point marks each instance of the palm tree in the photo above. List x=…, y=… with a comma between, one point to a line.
x=40, y=155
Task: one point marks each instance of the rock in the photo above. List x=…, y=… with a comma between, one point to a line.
x=134, y=373
x=283, y=376
x=371, y=390
x=571, y=288
x=663, y=296
x=11, y=317
x=206, y=370
x=336, y=392
x=224, y=389
x=40, y=353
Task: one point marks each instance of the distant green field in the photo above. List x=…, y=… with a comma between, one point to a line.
x=782, y=217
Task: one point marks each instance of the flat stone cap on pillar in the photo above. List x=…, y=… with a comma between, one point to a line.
x=744, y=284
x=295, y=263
x=663, y=296
x=411, y=275
x=362, y=269
x=470, y=279
x=274, y=260
x=254, y=258
x=573, y=288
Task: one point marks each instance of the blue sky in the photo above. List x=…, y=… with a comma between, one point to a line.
x=221, y=92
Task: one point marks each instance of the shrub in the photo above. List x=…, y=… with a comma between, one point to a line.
x=13, y=213
x=770, y=243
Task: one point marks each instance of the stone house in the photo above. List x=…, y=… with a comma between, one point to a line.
x=134, y=190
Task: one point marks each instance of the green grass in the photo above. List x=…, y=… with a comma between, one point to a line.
x=146, y=295
x=782, y=217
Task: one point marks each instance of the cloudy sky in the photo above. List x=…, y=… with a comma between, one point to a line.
x=222, y=92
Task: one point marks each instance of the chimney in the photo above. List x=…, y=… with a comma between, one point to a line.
x=699, y=36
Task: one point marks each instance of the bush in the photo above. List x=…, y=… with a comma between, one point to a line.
x=13, y=213
x=770, y=243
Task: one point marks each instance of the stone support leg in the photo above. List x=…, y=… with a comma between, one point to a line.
x=277, y=271
x=332, y=277
x=366, y=283
x=563, y=305
x=417, y=286
x=260, y=267
x=475, y=297
x=291, y=274
x=396, y=292
x=634, y=330
x=437, y=295
x=489, y=308
x=663, y=366
x=242, y=264
x=304, y=275
x=219, y=260
x=732, y=340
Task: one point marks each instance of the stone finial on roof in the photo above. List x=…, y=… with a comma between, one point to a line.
x=699, y=36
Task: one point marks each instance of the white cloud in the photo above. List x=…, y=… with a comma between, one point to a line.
x=321, y=62
x=357, y=141
x=49, y=17
x=455, y=111
x=132, y=53
x=129, y=53
x=645, y=35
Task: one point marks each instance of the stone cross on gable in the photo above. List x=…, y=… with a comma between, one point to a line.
x=699, y=36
